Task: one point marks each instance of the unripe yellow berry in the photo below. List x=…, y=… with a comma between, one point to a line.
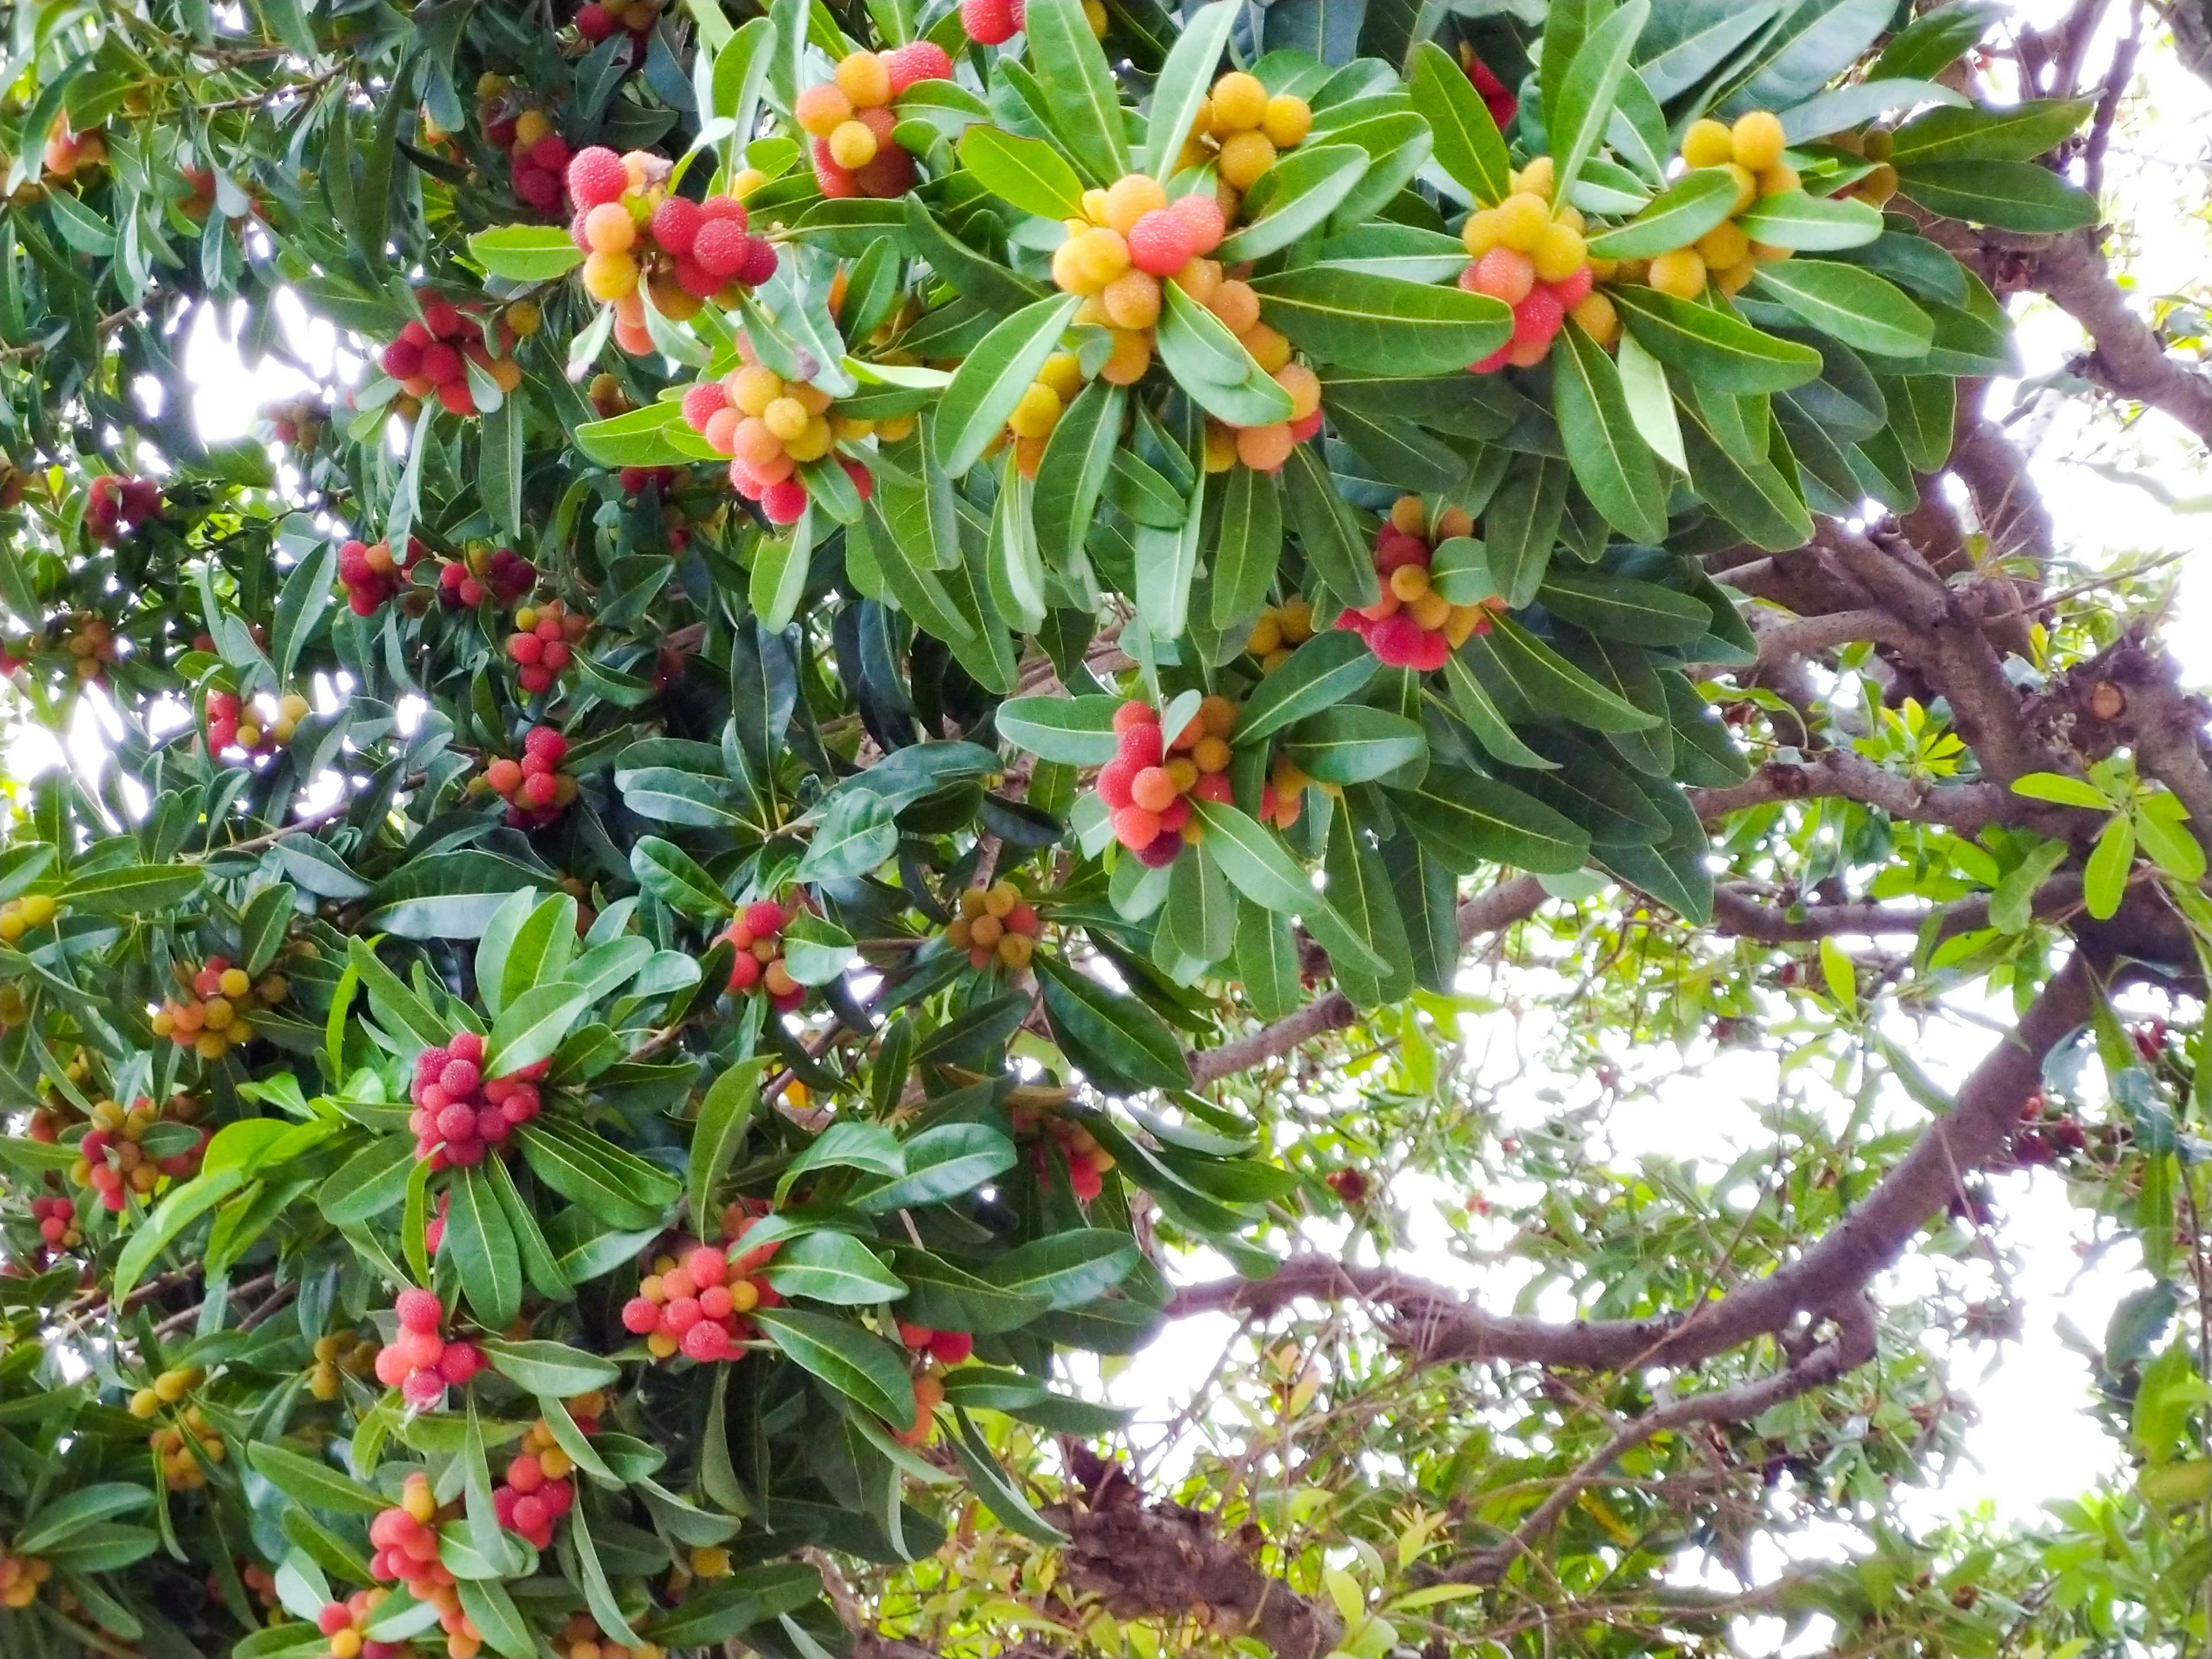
x=1723, y=244
x=1559, y=253
x=1038, y=412
x=1287, y=120
x=1682, y=273
x=1708, y=143
x=1244, y=157
x=852, y=145
x=609, y=276
x=865, y=80
x=1756, y=140
x=1523, y=219
x=1240, y=102
x=1132, y=197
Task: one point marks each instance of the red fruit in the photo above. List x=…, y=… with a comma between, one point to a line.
x=1135, y=828
x=1573, y=290
x=419, y=1310
x=1493, y=363
x=988, y=22
x=577, y=234
x=1503, y=274
x=706, y=1342
x=719, y=247
x=675, y=222
x=551, y=747
x=455, y=398
x=1394, y=548
x=918, y=60
x=1200, y=214
x=402, y=360
x=529, y=1516
x=892, y=173
x=832, y=180
x=596, y=175
x=707, y=1265
x=782, y=503
x=1397, y=640
x=864, y=482
x=759, y=259
x=745, y=972
x=525, y=648
x=440, y=317
x=594, y=21
x=1537, y=318
x=422, y=1390
x=1431, y=653
x=640, y=1316
x=1134, y=713
x=1160, y=243
x=335, y=1617
x=764, y=918
x=1114, y=780
x=1141, y=745
x=1305, y=426
x=1166, y=848
x=1210, y=786
x=460, y=1362
x=951, y=1347
x=540, y=790
x=550, y=153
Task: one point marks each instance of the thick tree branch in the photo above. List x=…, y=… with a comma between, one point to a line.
x=1845, y=773
x=2127, y=356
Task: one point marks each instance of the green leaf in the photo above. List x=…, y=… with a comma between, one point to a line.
x=1849, y=302
x=1085, y=110
x=994, y=1489
x=183, y=1207
x=1074, y=730
x=992, y=379
x=1323, y=673
x=714, y=1612
x=369, y=1183
x=1304, y=188
x=2062, y=790
x=1354, y=743
x=598, y=1594
x=65, y=1517
x=1249, y=543
x=1067, y=1269
x=674, y=876
x=1384, y=323
x=1167, y=564
x=300, y=605
x=779, y=577
x=1792, y=219
x=1693, y=204
x=1611, y=460
x=1752, y=495
x=311, y=1481
x=131, y=890
x=2009, y=195
x=620, y=1189
x=549, y=1368
x=1182, y=84
x=497, y=1619
x=941, y=1162
x=1463, y=819
x=1125, y=1046
x=526, y=254
x=1650, y=401
x=724, y=1116
x=2171, y=846
x=1717, y=350
x=2015, y=132
x=2104, y=876
x=835, y=1268
x=1585, y=103
x=1026, y=171
x=2012, y=903
x=1621, y=608
x=530, y=1028
x=1077, y=459
x=484, y=1249
x=864, y=1368
x=1468, y=145
x=1212, y=365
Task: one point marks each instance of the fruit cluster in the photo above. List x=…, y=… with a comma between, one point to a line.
x=536, y=156
x=406, y=1542
x=1241, y=131
x=993, y=22
x=460, y=1114
x=1150, y=785
x=767, y=426
x=536, y=1491
x=342, y=1351
x=1283, y=796
x=597, y=20
x=634, y=232
x=111, y=1159
x=1497, y=97
x=1039, y=408
x=260, y=727
x=545, y=635
x=850, y=120
x=928, y=1396
x=1534, y=258
x=1751, y=150
x=1874, y=144
x=1087, y=1161
x=20, y=1578
x=342, y=1624
x=167, y=1389
x=371, y=576
x=504, y=573
x=756, y=934
x=1265, y=448
x=1412, y=625
x=1130, y=238
x=115, y=506
x=18, y=916
x=90, y=643
x=186, y=1447
x=68, y=153
x=582, y=1638
x=1281, y=629
x=298, y=421
x=211, y=1016
x=420, y=1363
x=944, y=1348
x=431, y=358
x=995, y=924
x=56, y=1219
x=535, y=788
x=697, y=1305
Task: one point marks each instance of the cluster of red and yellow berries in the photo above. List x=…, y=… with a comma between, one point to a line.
x=68, y=153
x=419, y=1362
x=18, y=916
x=1265, y=448
x=756, y=934
x=460, y=1114
x=1534, y=259
x=1150, y=785
x=536, y=791
x=343, y=1624
x=298, y=421
x=111, y=1160
x=544, y=639
x=1241, y=131
x=114, y=506
x=210, y=1016
x=91, y=644
x=582, y=1638
x=597, y=20
x=20, y=1578
x=504, y=573
x=1875, y=187
x=1751, y=151
x=632, y=232
x=1131, y=239
x=342, y=1353
x=993, y=22
x=536, y=1490
x=431, y=358
x=1497, y=97
x=1279, y=630
x=536, y=156
x=767, y=426
x=56, y=1221
x=371, y=576
x=1039, y=408
x=696, y=1305
x=943, y=1348
x=995, y=924
x=850, y=119
x=1412, y=625
x=1087, y=1161
x=260, y=727
x=406, y=1542
x=187, y=1445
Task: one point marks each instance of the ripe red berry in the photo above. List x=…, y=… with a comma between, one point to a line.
x=1200, y=214
x=419, y=1310
x=1159, y=243
x=918, y=60
x=988, y=22
x=782, y=503
x=594, y=21
x=596, y=175
x=760, y=260
x=764, y=918
x=720, y=247
x=675, y=222
x=402, y=360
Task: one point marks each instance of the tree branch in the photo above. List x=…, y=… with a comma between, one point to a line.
x=2127, y=356
x=1845, y=773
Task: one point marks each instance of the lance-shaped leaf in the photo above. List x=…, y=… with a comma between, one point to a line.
x=993, y=379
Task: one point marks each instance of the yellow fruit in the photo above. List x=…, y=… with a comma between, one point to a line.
x=1559, y=253
x=1240, y=102
x=865, y=80
x=1220, y=456
x=1429, y=608
x=1682, y=273
x=1036, y=413
x=1244, y=157
x=1407, y=516
x=820, y=110
x=1756, y=140
x=1133, y=196
x=1479, y=234
x=1878, y=186
x=786, y=417
x=852, y=145
x=1523, y=219
x=1723, y=244
x=812, y=398
x=1199, y=279
x=234, y=983
x=523, y=317
x=609, y=276
x=813, y=443
x=531, y=125
x=1732, y=279
x=1269, y=349
x=1094, y=209
x=1287, y=120
x=1304, y=387
x=1537, y=177
x=1453, y=521
x=1131, y=357
x=1409, y=582
x=1063, y=374
x=1598, y=320
x=1133, y=300
x=1100, y=256
x=1773, y=180
x=1708, y=143
x=1746, y=186
x=1094, y=17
